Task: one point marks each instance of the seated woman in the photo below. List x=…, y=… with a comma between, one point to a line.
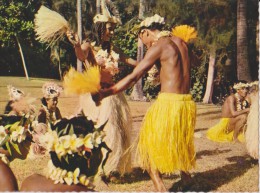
x=75, y=156
x=19, y=103
x=49, y=113
x=15, y=141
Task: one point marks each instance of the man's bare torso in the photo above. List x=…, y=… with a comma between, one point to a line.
x=175, y=66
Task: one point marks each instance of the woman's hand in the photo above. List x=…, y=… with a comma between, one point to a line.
x=73, y=38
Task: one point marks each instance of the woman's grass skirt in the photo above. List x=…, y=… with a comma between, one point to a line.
x=252, y=131
x=166, y=141
x=221, y=133
x=115, y=110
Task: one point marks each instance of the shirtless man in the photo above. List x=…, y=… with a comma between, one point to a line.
x=234, y=116
x=165, y=143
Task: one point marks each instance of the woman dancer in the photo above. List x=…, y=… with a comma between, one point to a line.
x=251, y=134
x=115, y=108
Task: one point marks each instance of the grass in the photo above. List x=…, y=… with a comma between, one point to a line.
x=220, y=167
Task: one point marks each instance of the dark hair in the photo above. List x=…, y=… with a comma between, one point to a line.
x=90, y=162
x=44, y=101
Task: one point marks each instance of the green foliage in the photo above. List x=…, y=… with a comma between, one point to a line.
x=14, y=22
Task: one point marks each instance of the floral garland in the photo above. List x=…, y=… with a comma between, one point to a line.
x=12, y=134
x=109, y=61
x=70, y=144
x=240, y=104
x=163, y=34
x=59, y=175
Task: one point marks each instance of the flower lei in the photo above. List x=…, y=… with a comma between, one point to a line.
x=110, y=61
x=163, y=34
x=14, y=133
x=59, y=175
x=240, y=105
x=70, y=144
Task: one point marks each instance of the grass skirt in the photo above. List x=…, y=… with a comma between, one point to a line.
x=221, y=133
x=251, y=134
x=166, y=141
x=115, y=109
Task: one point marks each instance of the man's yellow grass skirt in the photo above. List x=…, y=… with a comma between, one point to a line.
x=221, y=133
x=166, y=141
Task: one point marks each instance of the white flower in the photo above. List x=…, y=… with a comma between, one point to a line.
x=49, y=139
x=97, y=138
x=2, y=134
x=71, y=143
x=19, y=134
x=114, y=55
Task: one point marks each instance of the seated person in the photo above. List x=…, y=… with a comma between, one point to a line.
x=15, y=141
x=234, y=117
x=49, y=113
x=19, y=103
x=75, y=156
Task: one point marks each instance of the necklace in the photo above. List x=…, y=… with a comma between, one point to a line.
x=240, y=104
x=162, y=34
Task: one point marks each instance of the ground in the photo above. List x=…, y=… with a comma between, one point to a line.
x=220, y=167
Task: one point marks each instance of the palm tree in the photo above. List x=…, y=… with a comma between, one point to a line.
x=243, y=68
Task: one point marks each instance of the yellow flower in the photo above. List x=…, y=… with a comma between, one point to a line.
x=87, y=141
x=60, y=150
x=72, y=177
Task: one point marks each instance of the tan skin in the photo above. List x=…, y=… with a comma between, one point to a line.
x=8, y=180
x=39, y=183
x=172, y=53
x=237, y=118
x=85, y=52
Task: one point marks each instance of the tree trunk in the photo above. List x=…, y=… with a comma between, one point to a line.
x=79, y=21
x=209, y=89
x=141, y=9
x=243, y=68
x=98, y=6
x=23, y=61
x=137, y=93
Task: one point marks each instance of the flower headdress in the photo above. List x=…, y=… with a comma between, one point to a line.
x=106, y=16
x=151, y=20
x=240, y=85
x=75, y=147
x=255, y=83
x=51, y=90
x=15, y=93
